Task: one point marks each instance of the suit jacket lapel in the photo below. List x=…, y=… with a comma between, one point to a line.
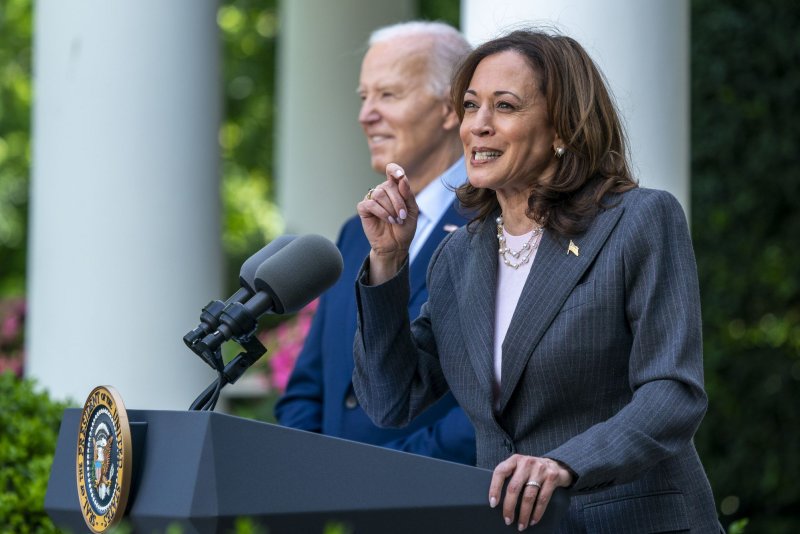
x=419, y=267
x=476, y=302
x=553, y=276
x=345, y=302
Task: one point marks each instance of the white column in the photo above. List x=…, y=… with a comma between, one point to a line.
x=125, y=228
x=642, y=46
x=323, y=166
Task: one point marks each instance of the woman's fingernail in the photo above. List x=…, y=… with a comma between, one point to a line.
x=521, y=527
x=398, y=173
x=492, y=501
x=403, y=215
x=508, y=521
x=533, y=522
x=392, y=220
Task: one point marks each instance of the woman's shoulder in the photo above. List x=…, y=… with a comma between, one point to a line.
x=646, y=196
x=649, y=204
x=650, y=216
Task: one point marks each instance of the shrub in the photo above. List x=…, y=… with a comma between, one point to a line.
x=745, y=194
x=29, y=423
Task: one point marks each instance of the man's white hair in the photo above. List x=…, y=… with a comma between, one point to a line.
x=448, y=49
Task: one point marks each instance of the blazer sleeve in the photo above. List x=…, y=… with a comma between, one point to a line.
x=662, y=309
x=397, y=373
x=301, y=404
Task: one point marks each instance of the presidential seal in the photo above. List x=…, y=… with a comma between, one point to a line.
x=104, y=459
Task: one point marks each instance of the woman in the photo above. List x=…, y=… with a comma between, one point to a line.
x=565, y=318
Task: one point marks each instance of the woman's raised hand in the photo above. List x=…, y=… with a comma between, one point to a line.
x=389, y=218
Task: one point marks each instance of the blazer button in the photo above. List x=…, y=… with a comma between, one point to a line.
x=509, y=445
x=351, y=402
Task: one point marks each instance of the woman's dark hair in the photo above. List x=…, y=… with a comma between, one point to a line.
x=584, y=116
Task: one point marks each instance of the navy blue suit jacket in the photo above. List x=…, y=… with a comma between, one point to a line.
x=320, y=396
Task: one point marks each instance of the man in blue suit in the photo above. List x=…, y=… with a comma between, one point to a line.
x=408, y=118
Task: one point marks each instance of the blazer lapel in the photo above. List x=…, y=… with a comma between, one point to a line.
x=476, y=302
x=419, y=267
x=554, y=274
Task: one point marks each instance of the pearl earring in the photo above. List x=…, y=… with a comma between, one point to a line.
x=560, y=151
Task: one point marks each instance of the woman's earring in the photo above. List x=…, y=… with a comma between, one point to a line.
x=560, y=151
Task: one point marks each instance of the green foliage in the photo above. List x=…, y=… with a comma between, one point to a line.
x=738, y=527
x=15, y=105
x=745, y=193
x=29, y=423
x=448, y=11
x=248, y=31
x=335, y=527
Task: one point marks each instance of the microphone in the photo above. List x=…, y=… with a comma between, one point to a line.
x=296, y=278
x=209, y=316
x=285, y=282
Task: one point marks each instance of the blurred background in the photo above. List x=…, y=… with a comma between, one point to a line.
x=743, y=197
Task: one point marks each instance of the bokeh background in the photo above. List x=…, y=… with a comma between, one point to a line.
x=745, y=195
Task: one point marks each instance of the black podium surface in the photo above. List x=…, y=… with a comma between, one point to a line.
x=203, y=470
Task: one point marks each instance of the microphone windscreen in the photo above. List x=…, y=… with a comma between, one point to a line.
x=300, y=272
x=247, y=274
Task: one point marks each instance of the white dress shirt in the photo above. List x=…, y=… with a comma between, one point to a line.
x=433, y=201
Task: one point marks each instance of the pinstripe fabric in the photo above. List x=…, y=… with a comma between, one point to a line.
x=602, y=362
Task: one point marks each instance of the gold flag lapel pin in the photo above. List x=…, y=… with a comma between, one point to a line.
x=573, y=248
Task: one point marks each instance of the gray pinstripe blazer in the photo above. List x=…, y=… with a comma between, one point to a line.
x=602, y=362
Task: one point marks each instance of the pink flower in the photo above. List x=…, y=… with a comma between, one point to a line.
x=12, y=320
x=13, y=364
x=285, y=342
x=10, y=328
x=281, y=365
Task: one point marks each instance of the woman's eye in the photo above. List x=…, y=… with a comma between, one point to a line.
x=470, y=105
x=504, y=105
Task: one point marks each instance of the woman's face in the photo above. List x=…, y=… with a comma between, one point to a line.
x=508, y=137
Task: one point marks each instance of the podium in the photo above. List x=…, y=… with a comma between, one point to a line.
x=203, y=470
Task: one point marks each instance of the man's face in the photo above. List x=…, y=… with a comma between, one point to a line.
x=404, y=122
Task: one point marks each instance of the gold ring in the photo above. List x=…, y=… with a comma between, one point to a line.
x=369, y=193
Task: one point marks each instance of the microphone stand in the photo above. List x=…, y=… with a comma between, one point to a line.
x=209, y=320
x=207, y=400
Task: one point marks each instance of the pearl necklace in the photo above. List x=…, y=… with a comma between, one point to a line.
x=527, y=248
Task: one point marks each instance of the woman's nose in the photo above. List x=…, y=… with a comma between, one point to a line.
x=482, y=124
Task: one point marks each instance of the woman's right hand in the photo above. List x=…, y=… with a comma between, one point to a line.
x=389, y=215
x=531, y=483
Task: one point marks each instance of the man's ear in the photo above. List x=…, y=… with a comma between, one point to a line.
x=450, y=116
